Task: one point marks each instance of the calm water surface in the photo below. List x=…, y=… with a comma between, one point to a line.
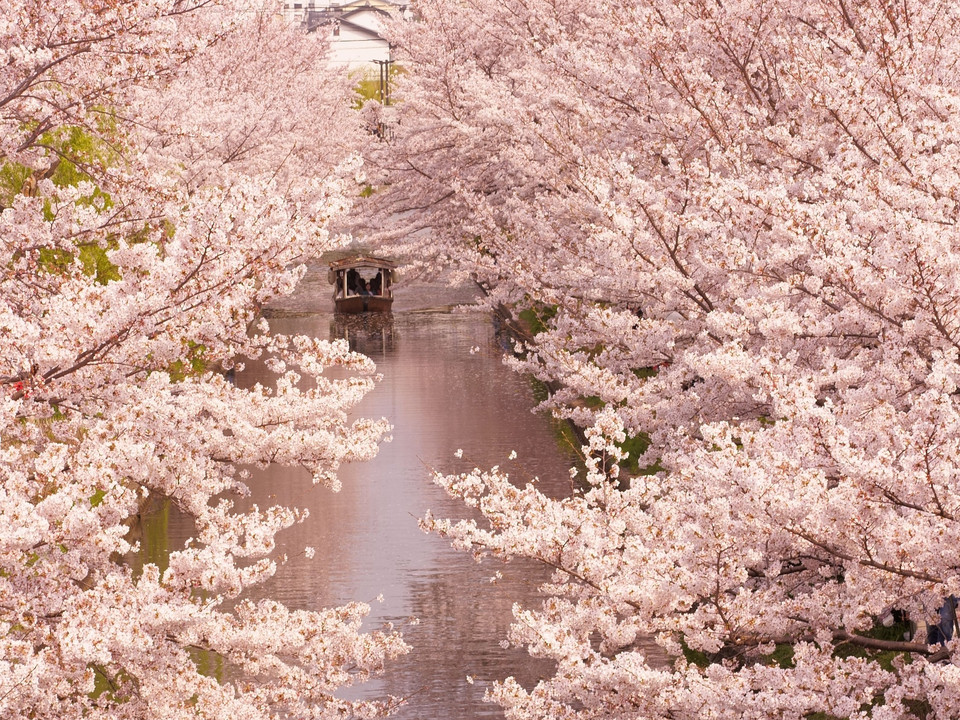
x=444, y=388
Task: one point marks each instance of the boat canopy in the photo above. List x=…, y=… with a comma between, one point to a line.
x=361, y=262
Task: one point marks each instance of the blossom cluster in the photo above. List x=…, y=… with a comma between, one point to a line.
x=166, y=168
x=738, y=224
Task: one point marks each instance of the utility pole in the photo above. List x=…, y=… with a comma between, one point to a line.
x=384, y=80
x=384, y=90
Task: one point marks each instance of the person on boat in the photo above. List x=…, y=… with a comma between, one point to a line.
x=376, y=283
x=362, y=288
x=353, y=282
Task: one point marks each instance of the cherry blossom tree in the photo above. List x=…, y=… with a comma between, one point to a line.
x=738, y=224
x=166, y=168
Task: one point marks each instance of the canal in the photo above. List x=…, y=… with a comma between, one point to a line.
x=444, y=389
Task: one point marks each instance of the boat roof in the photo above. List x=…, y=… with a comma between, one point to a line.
x=362, y=261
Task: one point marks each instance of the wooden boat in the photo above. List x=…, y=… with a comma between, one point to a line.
x=362, y=283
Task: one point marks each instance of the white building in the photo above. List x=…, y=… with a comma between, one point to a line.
x=355, y=28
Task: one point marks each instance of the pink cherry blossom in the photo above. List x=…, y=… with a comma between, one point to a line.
x=738, y=221
x=166, y=168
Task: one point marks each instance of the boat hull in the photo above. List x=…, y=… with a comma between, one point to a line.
x=364, y=303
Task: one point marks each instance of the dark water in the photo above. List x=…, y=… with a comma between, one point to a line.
x=444, y=388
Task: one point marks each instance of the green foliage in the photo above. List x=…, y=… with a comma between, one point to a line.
x=368, y=86
x=195, y=362
x=782, y=656
x=93, y=261
x=55, y=261
x=97, y=498
x=76, y=148
x=96, y=264
x=883, y=658
x=208, y=663
x=563, y=431
x=537, y=317
x=651, y=469
x=73, y=148
x=634, y=447
x=101, y=683
x=540, y=391
x=13, y=177
x=105, y=686
x=695, y=657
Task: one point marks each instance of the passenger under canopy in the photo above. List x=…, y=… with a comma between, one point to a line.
x=362, y=283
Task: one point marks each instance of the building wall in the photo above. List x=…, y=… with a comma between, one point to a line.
x=350, y=47
x=355, y=50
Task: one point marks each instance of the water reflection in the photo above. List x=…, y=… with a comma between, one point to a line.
x=444, y=387
x=369, y=333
